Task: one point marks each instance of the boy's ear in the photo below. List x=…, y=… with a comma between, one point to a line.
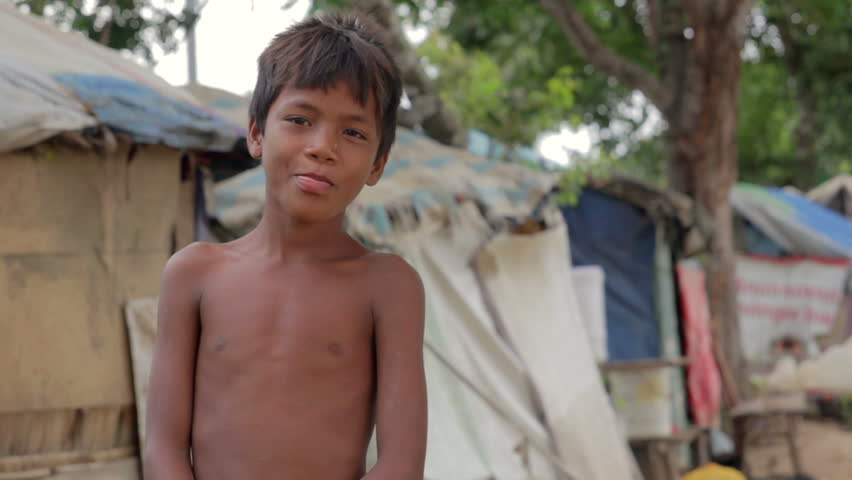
x=378, y=168
x=255, y=139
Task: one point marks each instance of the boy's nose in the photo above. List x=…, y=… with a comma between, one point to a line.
x=323, y=146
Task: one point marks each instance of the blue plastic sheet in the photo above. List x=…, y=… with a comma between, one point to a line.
x=620, y=238
x=150, y=117
x=797, y=225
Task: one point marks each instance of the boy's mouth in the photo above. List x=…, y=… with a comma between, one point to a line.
x=313, y=183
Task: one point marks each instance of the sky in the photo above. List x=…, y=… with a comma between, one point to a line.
x=230, y=35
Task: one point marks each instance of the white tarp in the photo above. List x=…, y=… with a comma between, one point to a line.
x=835, y=194
x=529, y=279
x=590, y=286
x=53, y=81
x=467, y=438
x=796, y=297
x=35, y=106
x=141, y=319
x=47, y=49
x=797, y=225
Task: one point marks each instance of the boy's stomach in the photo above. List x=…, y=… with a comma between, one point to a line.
x=293, y=422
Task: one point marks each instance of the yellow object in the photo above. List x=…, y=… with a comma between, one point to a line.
x=713, y=471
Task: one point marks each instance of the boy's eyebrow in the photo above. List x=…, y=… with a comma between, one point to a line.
x=303, y=105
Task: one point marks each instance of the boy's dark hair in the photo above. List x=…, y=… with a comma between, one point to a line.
x=325, y=49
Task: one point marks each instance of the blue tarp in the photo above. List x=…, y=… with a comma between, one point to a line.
x=620, y=238
x=150, y=117
x=793, y=223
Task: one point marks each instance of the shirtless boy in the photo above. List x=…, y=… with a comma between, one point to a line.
x=278, y=353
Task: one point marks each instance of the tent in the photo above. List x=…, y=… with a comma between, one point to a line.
x=642, y=225
x=514, y=391
x=835, y=194
x=777, y=223
x=656, y=307
x=792, y=275
x=96, y=191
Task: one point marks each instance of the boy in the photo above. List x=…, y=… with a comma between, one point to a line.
x=277, y=353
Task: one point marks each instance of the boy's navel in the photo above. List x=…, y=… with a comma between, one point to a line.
x=219, y=345
x=335, y=349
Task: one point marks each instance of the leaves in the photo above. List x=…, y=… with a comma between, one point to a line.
x=487, y=97
x=530, y=50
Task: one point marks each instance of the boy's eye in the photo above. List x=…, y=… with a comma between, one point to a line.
x=299, y=121
x=354, y=133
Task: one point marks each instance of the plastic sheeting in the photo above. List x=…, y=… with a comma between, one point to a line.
x=104, y=88
x=797, y=297
x=35, y=106
x=528, y=277
x=798, y=225
x=150, y=117
x=467, y=439
x=140, y=315
x=589, y=284
x=423, y=183
x=703, y=377
x=620, y=238
x=835, y=194
x=47, y=49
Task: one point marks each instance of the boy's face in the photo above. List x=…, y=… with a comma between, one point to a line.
x=319, y=150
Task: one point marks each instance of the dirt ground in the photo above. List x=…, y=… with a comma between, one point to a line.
x=825, y=448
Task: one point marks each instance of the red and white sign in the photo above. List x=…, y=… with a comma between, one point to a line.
x=780, y=297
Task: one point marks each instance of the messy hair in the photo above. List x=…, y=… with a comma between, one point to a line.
x=324, y=50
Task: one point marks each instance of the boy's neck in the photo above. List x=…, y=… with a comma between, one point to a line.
x=284, y=237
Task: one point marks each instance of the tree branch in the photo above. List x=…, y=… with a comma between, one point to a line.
x=654, y=23
x=590, y=47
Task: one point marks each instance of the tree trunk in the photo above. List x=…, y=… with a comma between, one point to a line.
x=698, y=44
x=703, y=162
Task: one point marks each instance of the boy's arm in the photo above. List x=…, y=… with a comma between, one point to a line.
x=401, y=383
x=168, y=424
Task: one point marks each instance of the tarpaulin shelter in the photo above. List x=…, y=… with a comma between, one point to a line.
x=793, y=275
x=835, y=194
x=95, y=194
x=626, y=226
x=781, y=223
x=514, y=390
x=638, y=234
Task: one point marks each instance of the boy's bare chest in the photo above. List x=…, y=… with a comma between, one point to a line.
x=249, y=316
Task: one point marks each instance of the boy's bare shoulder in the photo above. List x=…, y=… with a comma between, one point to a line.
x=389, y=272
x=193, y=261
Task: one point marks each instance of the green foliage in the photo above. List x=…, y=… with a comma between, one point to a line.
x=575, y=178
x=531, y=50
x=132, y=25
x=799, y=47
x=473, y=85
x=529, y=45
x=767, y=123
